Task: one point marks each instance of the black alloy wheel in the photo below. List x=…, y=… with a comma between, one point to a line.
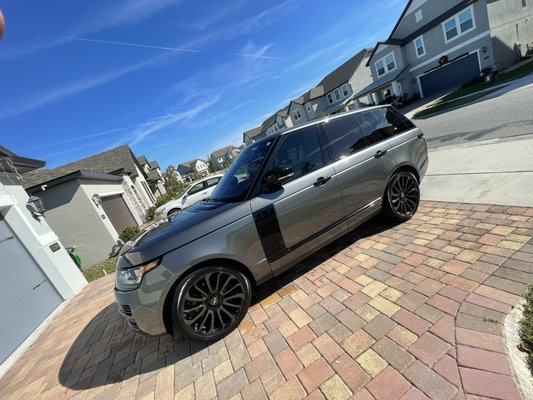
x=174, y=212
x=402, y=196
x=210, y=303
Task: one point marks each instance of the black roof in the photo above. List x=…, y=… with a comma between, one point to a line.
x=119, y=159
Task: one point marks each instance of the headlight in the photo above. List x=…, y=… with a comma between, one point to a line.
x=129, y=279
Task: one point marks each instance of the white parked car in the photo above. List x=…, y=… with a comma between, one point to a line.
x=196, y=192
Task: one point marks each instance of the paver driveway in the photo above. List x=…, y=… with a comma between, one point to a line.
x=406, y=312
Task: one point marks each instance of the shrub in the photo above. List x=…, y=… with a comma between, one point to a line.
x=526, y=326
x=158, y=203
x=128, y=233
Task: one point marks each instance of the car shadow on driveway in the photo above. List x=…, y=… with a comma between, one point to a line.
x=107, y=351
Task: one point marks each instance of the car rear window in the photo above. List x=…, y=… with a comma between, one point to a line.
x=382, y=123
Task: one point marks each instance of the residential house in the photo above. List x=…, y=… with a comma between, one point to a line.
x=37, y=272
x=334, y=92
x=437, y=45
x=224, y=157
x=193, y=168
x=89, y=202
x=154, y=177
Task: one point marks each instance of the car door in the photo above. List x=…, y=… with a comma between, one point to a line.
x=362, y=169
x=307, y=205
x=195, y=194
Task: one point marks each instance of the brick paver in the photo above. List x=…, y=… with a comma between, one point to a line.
x=412, y=311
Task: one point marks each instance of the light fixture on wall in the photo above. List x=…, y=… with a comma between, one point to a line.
x=97, y=199
x=35, y=206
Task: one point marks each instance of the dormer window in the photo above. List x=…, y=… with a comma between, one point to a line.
x=344, y=89
x=418, y=16
x=330, y=98
x=297, y=115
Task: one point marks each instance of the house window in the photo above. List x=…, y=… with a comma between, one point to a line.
x=330, y=98
x=345, y=91
x=337, y=94
x=308, y=107
x=459, y=24
x=419, y=47
x=380, y=66
x=386, y=64
x=297, y=115
x=418, y=16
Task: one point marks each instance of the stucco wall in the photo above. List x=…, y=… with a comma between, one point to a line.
x=78, y=223
x=510, y=23
x=36, y=236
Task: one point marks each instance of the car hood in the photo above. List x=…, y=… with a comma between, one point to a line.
x=193, y=223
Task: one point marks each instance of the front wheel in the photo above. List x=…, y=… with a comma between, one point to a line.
x=174, y=212
x=402, y=197
x=210, y=303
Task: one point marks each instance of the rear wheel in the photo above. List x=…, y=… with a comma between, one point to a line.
x=210, y=303
x=402, y=197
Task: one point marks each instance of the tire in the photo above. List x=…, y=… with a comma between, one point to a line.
x=402, y=197
x=172, y=213
x=210, y=303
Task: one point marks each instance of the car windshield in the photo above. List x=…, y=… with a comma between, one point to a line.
x=239, y=177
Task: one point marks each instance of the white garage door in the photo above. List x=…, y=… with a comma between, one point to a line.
x=26, y=296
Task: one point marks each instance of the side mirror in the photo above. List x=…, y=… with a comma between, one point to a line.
x=275, y=178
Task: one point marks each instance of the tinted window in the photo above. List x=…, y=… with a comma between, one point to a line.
x=344, y=137
x=301, y=151
x=197, y=188
x=382, y=123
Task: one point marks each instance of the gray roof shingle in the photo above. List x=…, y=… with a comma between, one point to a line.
x=111, y=161
x=343, y=73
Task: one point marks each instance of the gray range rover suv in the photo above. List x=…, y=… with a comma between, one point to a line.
x=284, y=197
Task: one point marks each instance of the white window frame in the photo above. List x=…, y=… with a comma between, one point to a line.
x=297, y=114
x=385, y=65
x=337, y=94
x=330, y=98
x=419, y=16
x=421, y=38
x=344, y=88
x=455, y=18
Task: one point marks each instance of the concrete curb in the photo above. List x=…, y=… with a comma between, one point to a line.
x=516, y=357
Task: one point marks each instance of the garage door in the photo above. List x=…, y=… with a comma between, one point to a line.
x=451, y=75
x=26, y=296
x=118, y=212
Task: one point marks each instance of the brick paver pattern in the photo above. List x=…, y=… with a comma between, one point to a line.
x=412, y=311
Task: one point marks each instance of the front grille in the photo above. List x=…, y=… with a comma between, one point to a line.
x=125, y=309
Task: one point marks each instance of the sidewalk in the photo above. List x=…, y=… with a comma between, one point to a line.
x=488, y=172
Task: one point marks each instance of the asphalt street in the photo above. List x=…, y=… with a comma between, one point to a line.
x=502, y=114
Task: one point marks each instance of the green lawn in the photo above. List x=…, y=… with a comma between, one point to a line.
x=460, y=102
x=472, y=92
x=97, y=271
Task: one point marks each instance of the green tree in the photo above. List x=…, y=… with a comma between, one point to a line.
x=173, y=185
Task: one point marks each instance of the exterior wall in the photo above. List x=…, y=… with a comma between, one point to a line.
x=294, y=107
x=430, y=10
x=144, y=189
x=510, y=23
x=361, y=78
x=436, y=46
x=132, y=193
x=36, y=236
x=78, y=223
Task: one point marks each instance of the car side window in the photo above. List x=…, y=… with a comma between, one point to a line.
x=301, y=151
x=344, y=137
x=212, y=182
x=197, y=188
x=382, y=123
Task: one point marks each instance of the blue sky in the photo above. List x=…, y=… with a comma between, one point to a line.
x=173, y=79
